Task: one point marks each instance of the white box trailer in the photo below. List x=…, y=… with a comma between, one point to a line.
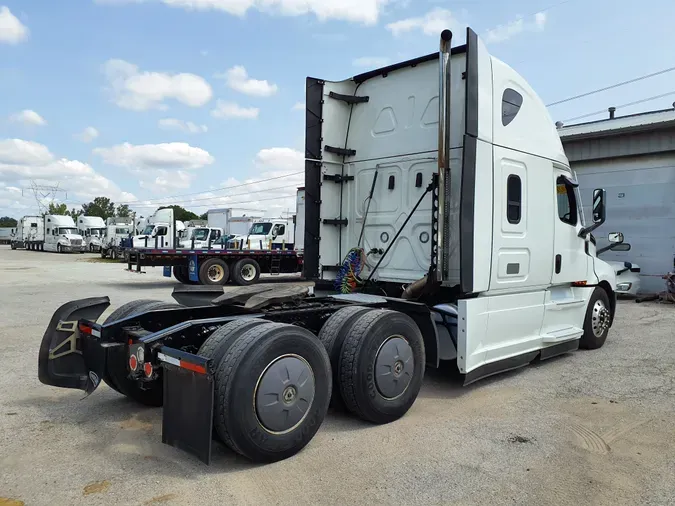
x=220, y=218
x=442, y=214
x=300, y=220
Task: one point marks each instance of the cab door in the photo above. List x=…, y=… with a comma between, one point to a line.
x=570, y=261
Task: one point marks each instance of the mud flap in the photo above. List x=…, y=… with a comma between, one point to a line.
x=196, y=296
x=65, y=359
x=187, y=417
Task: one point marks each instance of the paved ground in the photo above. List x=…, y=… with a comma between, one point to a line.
x=584, y=429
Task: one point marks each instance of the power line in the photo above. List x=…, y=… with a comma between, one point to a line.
x=611, y=87
x=277, y=197
x=223, y=188
x=620, y=106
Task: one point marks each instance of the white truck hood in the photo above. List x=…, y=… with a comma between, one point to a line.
x=618, y=266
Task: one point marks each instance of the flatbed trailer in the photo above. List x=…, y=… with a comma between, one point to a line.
x=215, y=266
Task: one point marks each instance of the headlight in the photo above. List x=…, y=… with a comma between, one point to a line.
x=623, y=287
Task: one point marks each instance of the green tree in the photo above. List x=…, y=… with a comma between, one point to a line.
x=181, y=214
x=57, y=209
x=123, y=211
x=75, y=213
x=6, y=221
x=204, y=216
x=102, y=207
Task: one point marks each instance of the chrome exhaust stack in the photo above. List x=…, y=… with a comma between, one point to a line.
x=443, y=152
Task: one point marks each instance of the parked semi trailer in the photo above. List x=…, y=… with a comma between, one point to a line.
x=117, y=230
x=29, y=233
x=449, y=224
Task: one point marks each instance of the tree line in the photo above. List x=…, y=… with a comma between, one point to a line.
x=104, y=208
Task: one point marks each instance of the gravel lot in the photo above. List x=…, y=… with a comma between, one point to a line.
x=587, y=428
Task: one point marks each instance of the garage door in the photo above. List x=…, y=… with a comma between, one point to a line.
x=641, y=204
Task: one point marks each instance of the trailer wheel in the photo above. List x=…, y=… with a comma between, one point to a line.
x=116, y=367
x=332, y=335
x=113, y=253
x=12, y=245
x=214, y=271
x=597, y=321
x=382, y=366
x=246, y=272
x=217, y=344
x=181, y=274
x=272, y=392
x=103, y=253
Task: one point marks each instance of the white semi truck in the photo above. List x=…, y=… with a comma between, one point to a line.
x=61, y=235
x=117, y=230
x=443, y=225
x=161, y=230
x=92, y=229
x=266, y=233
x=28, y=234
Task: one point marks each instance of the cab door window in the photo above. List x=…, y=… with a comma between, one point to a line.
x=567, y=201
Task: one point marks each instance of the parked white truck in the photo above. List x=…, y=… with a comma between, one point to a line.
x=117, y=229
x=92, y=229
x=61, y=235
x=276, y=233
x=29, y=233
x=161, y=230
x=440, y=204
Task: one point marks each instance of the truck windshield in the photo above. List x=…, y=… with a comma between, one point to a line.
x=200, y=234
x=148, y=230
x=67, y=230
x=122, y=231
x=260, y=229
x=95, y=232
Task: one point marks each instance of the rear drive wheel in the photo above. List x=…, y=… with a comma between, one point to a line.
x=246, y=272
x=113, y=253
x=332, y=335
x=382, y=366
x=272, y=392
x=180, y=272
x=117, y=375
x=103, y=253
x=216, y=346
x=12, y=245
x=598, y=318
x=214, y=271
x=58, y=248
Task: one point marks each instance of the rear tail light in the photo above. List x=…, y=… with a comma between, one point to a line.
x=133, y=363
x=147, y=369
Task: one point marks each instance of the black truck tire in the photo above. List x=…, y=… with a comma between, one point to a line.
x=214, y=271
x=113, y=253
x=180, y=272
x=116, y=366
x=246, y=272
x=217, y=344
x=12, y=245
x=332, y=335
x=249, y=378
x=382, y=366
x=104, y=253
x=597, y=321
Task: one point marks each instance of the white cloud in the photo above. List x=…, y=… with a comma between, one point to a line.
x=501, y=33
x=172, y=155
x=287, y=159
x=24, y=161
x=139, y=91
x=12, y=31
x=28, y=117
x=371, y=61
x=238, y=79
x=87, y=135
x=165, y=180
x=358, y=11
x=225, y=110
x=299, y=106
x=183, y=126
x=432, y=23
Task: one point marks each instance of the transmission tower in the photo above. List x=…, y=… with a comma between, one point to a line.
x=45, y=194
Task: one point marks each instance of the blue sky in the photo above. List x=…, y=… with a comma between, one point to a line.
x=144, y=99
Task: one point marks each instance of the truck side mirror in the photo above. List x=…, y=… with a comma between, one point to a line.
x=599, y=206
x=615, y=237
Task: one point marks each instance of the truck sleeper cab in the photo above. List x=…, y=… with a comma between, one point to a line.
x=452, y=230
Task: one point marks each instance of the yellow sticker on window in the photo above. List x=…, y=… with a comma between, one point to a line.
x=561, y=189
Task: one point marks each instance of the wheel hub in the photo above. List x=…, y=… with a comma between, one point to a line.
x=215, y=273
x=394, y=367
x=600, y=318
x=284, y=394
x=247, y=272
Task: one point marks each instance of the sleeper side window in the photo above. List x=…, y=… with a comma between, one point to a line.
x=514, y=197
x=567, y=202
x=511, y=103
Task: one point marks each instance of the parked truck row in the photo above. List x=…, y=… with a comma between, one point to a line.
x=443, y=225
x=48, y=233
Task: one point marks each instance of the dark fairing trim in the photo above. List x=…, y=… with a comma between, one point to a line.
x=467, y=203
x=408, y=63
x=313, y=120
x=500, y=366
x=466, y=214
x=559, y=349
